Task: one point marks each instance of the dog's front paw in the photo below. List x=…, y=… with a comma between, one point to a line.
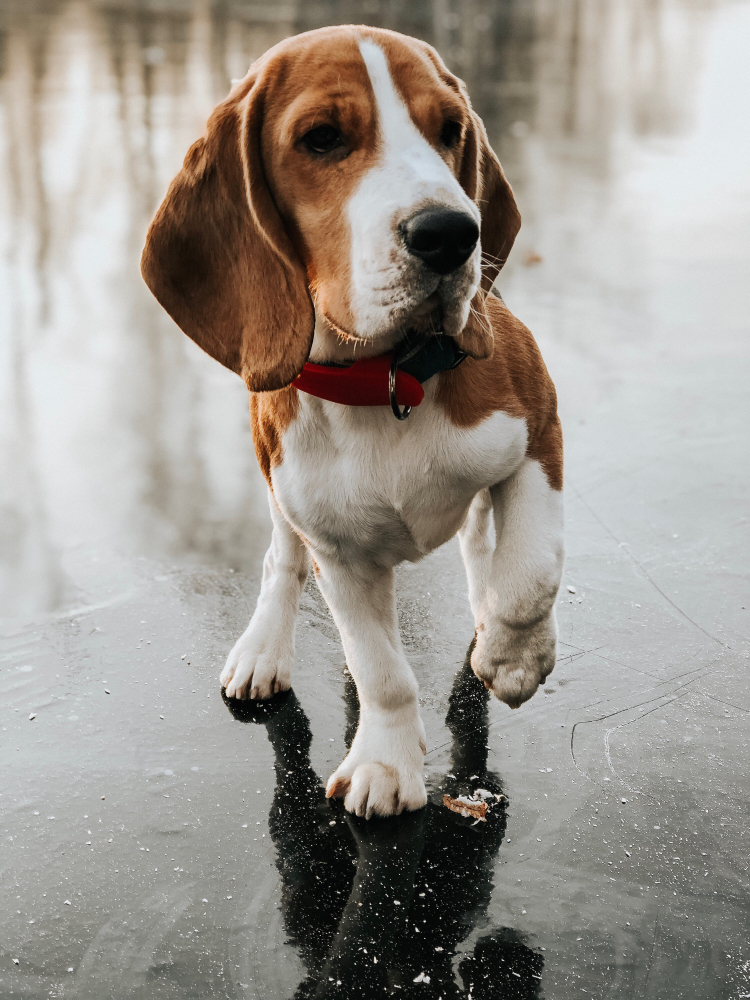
x=259, y=665
x=513, y=661
x=382, y=774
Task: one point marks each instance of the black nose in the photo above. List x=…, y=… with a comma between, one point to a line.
x=441, y=237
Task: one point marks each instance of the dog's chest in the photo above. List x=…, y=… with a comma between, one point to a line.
x=357, y=482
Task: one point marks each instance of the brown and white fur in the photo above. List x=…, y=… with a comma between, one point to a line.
x=267, y=254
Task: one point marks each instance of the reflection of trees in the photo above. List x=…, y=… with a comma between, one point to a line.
x=373, y=905
x=30, y=562
x=100, y=100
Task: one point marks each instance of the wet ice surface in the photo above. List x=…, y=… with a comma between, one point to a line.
x=160, y=843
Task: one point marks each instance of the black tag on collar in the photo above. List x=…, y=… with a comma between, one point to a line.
x=438, y=354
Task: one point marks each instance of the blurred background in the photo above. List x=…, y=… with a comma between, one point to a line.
x=615, y=121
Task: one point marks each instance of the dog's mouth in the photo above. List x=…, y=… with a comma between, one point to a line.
x=425, y=319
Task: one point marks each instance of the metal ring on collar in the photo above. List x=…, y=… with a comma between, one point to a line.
x=398, y=413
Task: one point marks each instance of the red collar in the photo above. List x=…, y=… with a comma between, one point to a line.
x=365, y=383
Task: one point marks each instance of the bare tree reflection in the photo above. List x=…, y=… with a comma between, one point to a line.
x=31, y=565
x=374, y=906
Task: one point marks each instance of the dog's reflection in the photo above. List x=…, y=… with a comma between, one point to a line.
x=381, y=907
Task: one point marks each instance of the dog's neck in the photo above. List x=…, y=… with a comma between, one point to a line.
x=332, y=346
x=329, y=346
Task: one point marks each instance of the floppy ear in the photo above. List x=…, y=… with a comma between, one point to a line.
x=482, y=178
x=218, y=258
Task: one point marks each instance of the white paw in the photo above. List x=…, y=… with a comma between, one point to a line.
x=513, y=662
x=259, y=665
x=382, y=774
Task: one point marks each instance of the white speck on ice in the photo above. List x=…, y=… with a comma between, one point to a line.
x=571, y=589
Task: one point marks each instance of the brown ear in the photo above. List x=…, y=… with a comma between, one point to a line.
x=218, y=259
x=483, y=180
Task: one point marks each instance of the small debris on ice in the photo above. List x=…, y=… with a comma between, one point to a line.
x=485, y=796
x=107, y=691
x=571, y=589
x=15, y=961
x=474, y=805
x=67, y=903
x=32, y=716
x=70, y=969
x=422, y=978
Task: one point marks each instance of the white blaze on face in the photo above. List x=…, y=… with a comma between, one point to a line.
x=387, y=281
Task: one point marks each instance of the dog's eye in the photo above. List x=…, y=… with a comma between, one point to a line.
x=450, y=134
x=323, y=139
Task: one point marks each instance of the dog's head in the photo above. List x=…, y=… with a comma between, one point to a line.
x=345, y=175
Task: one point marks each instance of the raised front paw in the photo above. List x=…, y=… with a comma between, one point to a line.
x=259, y=665
x=382, y=774
x=513, y=661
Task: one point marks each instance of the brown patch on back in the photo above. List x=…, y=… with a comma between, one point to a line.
x=514, y=380
x=270, y=415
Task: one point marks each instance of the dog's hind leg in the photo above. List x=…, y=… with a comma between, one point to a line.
x=515, y=616
x=260, y=663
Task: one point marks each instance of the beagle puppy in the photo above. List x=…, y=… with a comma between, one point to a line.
x=333, y=239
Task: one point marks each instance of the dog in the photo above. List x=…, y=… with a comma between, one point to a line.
x=334, y=239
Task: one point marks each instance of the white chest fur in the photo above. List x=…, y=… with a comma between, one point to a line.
x=359, y=484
